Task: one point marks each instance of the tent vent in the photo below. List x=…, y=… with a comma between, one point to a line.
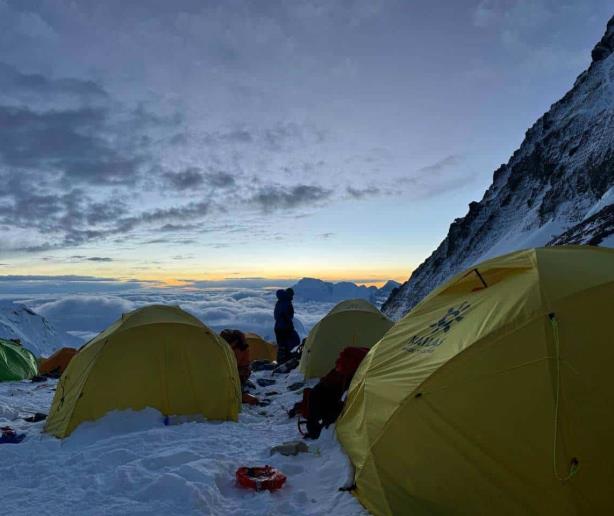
x=481, y=278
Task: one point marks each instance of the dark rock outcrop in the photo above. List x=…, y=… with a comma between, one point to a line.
x=595, y=230
x=605, y=47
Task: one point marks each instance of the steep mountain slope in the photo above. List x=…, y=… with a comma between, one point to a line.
x=34, y=331
x=556, y=188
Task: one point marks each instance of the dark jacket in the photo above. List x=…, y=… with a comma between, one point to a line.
x=284, y=311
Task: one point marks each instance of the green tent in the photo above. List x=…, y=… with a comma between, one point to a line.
x=16, y=362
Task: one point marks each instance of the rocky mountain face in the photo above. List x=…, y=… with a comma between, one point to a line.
x=34, y=332
x=557, y=188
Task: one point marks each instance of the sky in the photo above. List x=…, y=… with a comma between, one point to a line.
x=177, y=142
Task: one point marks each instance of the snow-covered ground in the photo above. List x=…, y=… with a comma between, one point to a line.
x=131, y=463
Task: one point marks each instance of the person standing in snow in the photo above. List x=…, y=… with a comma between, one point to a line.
x=285, y=333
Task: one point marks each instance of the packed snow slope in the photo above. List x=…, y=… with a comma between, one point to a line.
x=557, y=188
x=131, y=463
x=35, y=332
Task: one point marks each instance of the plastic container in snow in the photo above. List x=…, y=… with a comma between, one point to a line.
x=260, y=478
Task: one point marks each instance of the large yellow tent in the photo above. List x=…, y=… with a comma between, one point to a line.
x=355, y=322
x=157, y=356
x=494, y=395
x=260, y=349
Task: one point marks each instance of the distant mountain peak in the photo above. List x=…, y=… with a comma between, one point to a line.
x=557, y=188
x=313, y=289
x=390, y=284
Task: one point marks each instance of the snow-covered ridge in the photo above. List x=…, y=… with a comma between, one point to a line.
x=35, y=332
x=559, y=179
x=311, y=289
x=598, y=229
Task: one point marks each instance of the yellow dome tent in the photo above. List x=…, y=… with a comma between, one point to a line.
x=494, y=395
x=157, y=356
x=350, y=323
x=260, y=349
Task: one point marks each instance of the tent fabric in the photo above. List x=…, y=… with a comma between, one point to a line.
x=494, y=395
x=260, y=349
x=352, y=323
x=57, y=362
x=157, y=356
x=16, y=362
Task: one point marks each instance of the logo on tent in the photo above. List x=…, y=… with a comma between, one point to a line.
x=435, y=334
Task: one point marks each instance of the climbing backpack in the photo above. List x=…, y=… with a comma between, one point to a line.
x=349, y=360
x=322, y=405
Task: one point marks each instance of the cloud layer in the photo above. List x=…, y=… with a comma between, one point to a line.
x=91, y=156
x=249, y=310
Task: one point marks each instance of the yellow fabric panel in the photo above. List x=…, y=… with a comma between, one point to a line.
x=351, y=305
x=566, y=270
x=174, y=367
x=350, y=323
x=461, y=420
x=396, y=366
x=158, y=314
x=492, y=271
x=69, y=388
x=587, y=395
x=260, y=349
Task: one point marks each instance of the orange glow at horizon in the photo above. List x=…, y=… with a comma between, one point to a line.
x=363, y=276
x=178, y=277
x=181, y=280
